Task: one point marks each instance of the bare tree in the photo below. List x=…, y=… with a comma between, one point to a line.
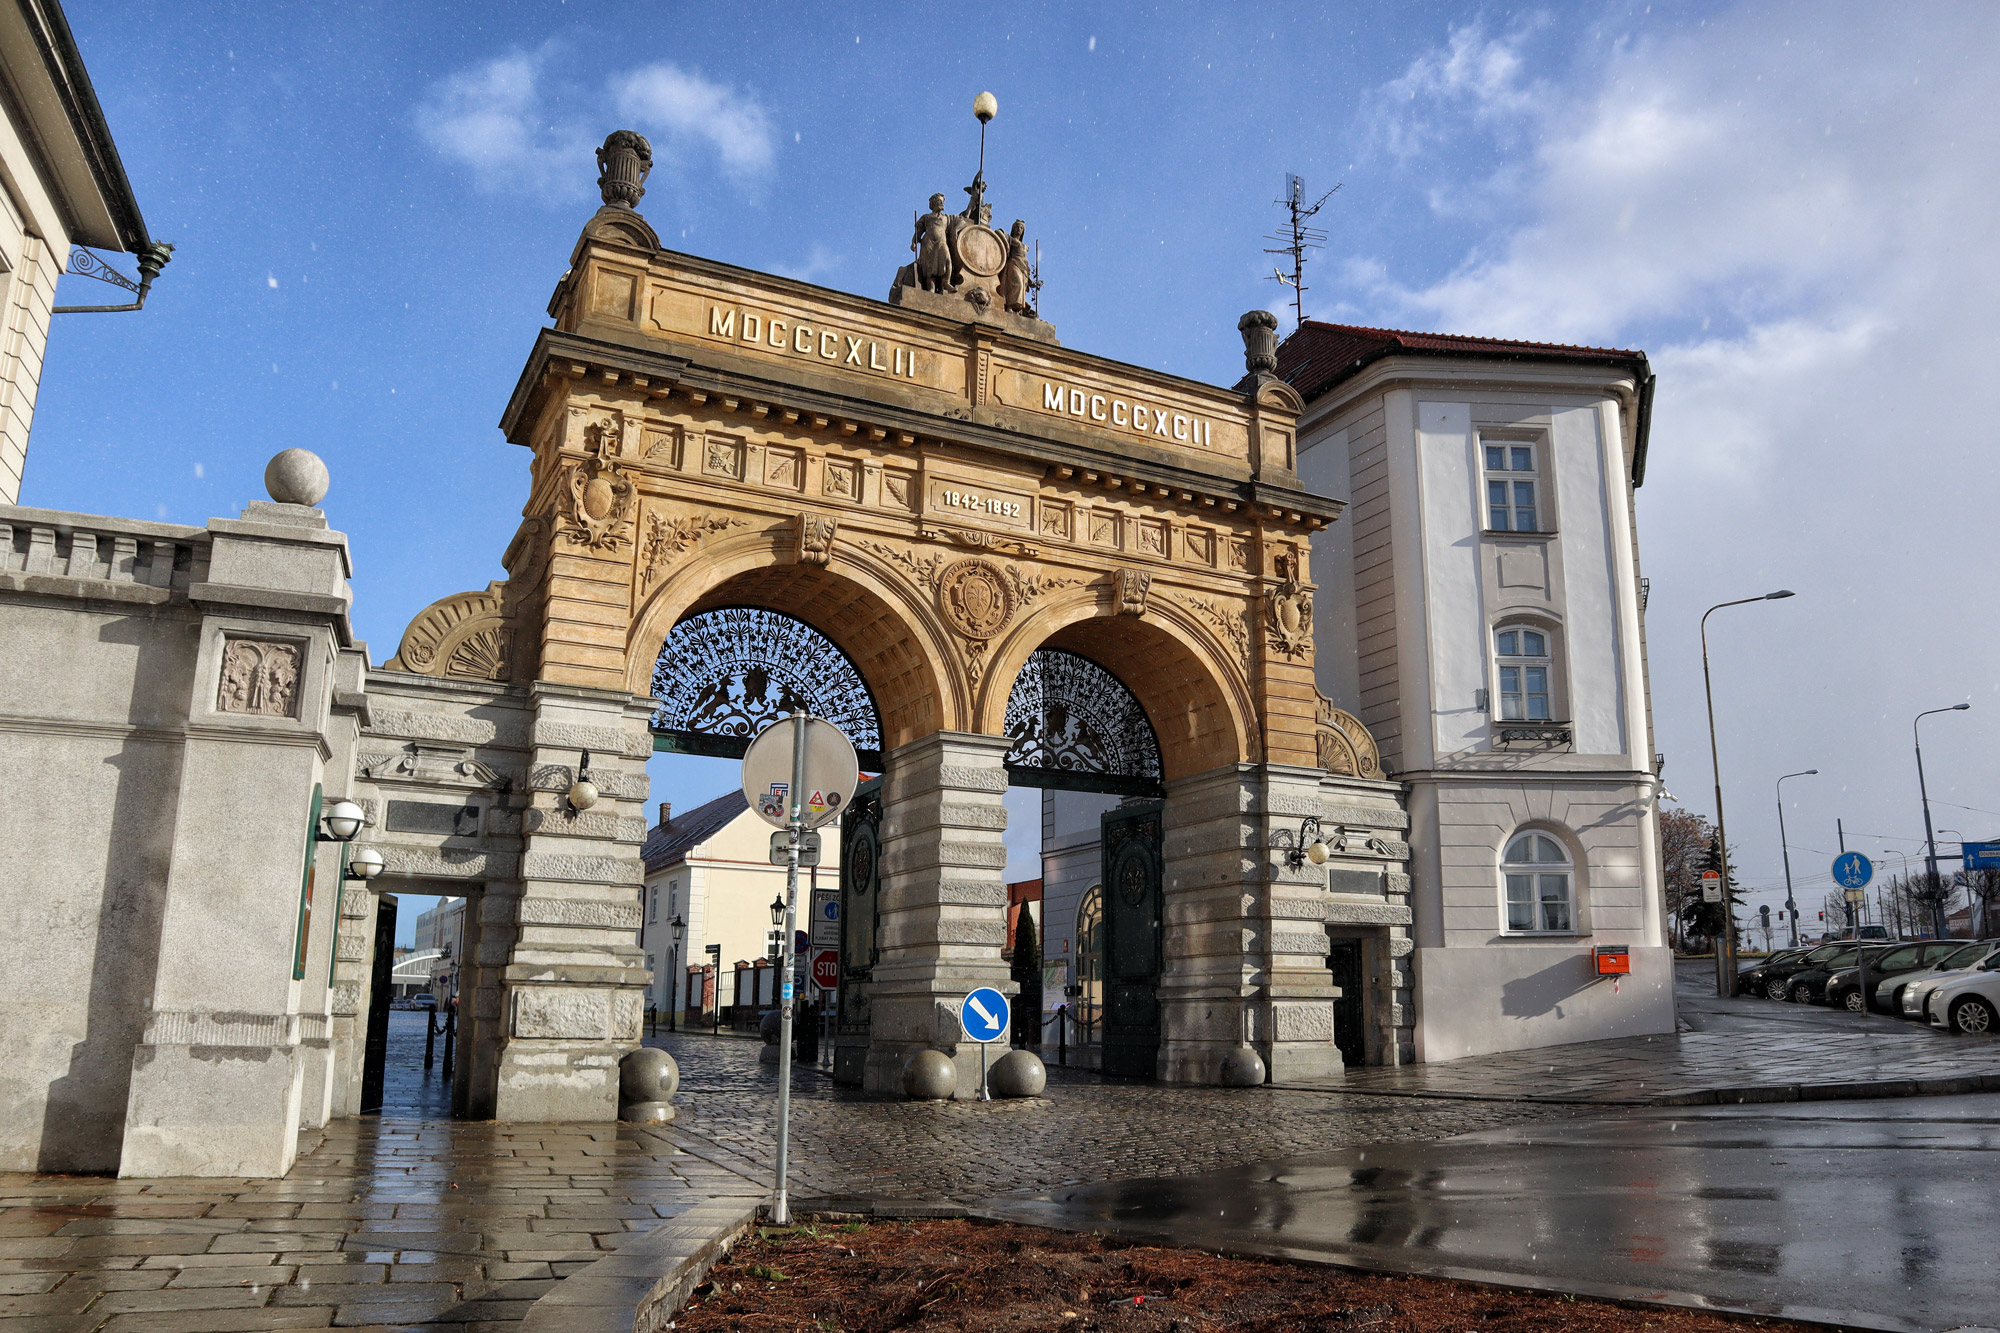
x=1685, y=840
x=1982, y=890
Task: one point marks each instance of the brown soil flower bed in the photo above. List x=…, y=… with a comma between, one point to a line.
x=945, y=1276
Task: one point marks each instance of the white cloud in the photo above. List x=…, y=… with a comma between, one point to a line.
x=495, y=120
x=819, y=263
x=518, y=126
x=684, y=111
x=1792, y=214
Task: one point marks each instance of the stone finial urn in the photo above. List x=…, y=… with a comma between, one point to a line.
x=1260, y=342
x=622, y=166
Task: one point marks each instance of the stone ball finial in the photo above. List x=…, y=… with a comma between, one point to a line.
x=929, y=1076
x=296, y=477
x=623, y=164
x=1260, y=341
x=1243, y=1067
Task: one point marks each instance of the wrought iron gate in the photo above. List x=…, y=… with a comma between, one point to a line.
x=1134, y=910
x=860, y=888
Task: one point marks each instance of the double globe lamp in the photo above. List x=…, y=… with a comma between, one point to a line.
x=340, y=822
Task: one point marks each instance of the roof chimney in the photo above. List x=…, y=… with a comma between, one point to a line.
x=666, y=813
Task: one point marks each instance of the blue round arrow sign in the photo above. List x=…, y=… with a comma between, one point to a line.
x=1852, y=870
x=984, y=1015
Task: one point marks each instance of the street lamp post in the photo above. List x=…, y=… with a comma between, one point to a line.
x=1930, y=838
x=1791, y=905
x=674, y=978
x=1725, y=948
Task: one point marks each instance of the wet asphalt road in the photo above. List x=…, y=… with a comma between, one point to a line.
x=1879, y=1214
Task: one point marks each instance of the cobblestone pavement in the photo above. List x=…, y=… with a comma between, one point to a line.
x=1084, y=1129
x=1753, y=1049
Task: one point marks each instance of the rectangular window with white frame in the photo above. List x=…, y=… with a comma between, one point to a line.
x=1513, y=487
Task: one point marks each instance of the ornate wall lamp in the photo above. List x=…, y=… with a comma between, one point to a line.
x=1309, y=844
x=582, y=793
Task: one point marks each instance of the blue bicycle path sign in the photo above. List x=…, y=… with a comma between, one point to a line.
x=1852, y=870
x=983, y=1015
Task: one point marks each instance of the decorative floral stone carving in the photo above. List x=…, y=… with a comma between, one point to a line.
x=623, y=164
x=667, y=538
x=599, y=500
x=1132, y=587
x=1229, y=620
x=261, y=677
x=815, y=538
x=1346, y=749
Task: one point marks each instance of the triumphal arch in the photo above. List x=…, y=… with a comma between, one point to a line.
x=1001, y=561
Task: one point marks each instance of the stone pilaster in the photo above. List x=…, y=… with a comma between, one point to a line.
x=943, y=913
x=217, y=1076
x=1246, y=938
x=348, y=714
x=573, y=988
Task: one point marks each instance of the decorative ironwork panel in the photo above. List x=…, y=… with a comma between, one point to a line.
x=1068, y=714
x=731, y=672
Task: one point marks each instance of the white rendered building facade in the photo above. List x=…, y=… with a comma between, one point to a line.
x=1480, y=610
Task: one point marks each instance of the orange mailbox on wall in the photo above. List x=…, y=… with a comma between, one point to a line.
x=1613, y=960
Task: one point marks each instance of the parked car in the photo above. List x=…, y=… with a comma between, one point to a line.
x=1967, y=1000
x=1808, y=984
x=423, y=999
x=1769, y=978
x=1889, y=970
x=1916, y=994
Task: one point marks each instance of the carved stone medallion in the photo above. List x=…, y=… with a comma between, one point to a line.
x=976, y=598
x=600, y=502
x=259, y=677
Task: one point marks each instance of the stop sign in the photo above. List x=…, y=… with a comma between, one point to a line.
x=826, y=969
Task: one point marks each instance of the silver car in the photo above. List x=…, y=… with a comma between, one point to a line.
x=1889, y=970
x=1917, y=993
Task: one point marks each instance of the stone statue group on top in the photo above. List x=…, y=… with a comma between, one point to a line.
x=963, y=260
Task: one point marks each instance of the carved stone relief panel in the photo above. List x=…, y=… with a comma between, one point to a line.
x=1199, y=546
x=784, y=468
x=260, y=676
x=841, y=480
x=898, y=490
x=1152, y=538
x=1104, y=527
x=1239, y=555
x=663, y=447
x=723, y=458
x=1057, y=517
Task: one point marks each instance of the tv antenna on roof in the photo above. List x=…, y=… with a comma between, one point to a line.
x=1296, y=238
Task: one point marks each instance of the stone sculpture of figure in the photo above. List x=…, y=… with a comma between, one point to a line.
x=1014, y=278
x=933, y=246
x=974, y=207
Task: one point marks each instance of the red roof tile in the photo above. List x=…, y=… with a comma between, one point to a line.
x=1320, y=355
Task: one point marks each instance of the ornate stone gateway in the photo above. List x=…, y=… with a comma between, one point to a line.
x=990, y=558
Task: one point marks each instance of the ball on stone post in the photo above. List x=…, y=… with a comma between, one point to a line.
x=1017, y=1074
x=648, y=1075
x=767, y=1027
x=929, y=1076
x=296, y=477
x=1243, y=1068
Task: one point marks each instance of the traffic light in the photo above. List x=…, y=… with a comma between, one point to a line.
x=1822, y=916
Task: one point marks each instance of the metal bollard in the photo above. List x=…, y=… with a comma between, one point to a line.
x=430, y=1036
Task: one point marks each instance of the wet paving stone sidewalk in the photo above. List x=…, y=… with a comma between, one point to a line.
x=384, y=1224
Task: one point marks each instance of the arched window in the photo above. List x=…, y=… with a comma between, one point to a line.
x=1524, y=674
x=1540, y=891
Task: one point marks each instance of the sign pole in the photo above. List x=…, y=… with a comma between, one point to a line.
x=781, y=1212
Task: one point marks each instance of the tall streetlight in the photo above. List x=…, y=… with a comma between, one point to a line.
x=1791, y=906
x=1725, y=949
x=1930, y=838
x=679, y=928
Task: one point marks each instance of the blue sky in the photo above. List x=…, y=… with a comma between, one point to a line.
x=1787, y=206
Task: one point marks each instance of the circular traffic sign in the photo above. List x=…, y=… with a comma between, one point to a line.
x=826, y=969
x=984, y=1015
x=1852, y=870
x=831, y=772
